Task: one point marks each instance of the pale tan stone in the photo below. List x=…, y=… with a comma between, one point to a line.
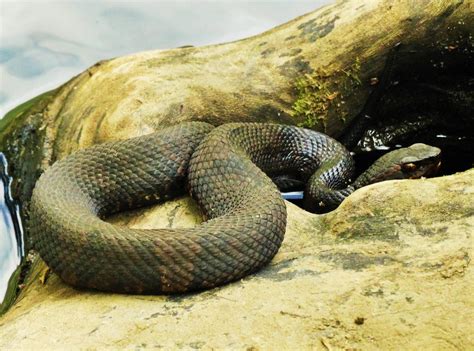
x=396, y=262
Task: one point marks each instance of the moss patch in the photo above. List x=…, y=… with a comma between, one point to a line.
x=18, y=112
x=318, y=92
x=22, y=135
x=11, y=291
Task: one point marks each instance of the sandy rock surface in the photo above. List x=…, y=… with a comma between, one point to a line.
x=390, y=268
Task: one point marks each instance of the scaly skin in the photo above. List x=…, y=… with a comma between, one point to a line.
x=227, y=165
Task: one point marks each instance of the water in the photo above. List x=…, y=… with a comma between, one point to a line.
x=11, y=232
x=293, y=195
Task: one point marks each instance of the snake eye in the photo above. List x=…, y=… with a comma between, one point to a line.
x=409, y=167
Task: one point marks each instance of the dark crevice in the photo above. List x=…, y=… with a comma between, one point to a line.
x=430, y=101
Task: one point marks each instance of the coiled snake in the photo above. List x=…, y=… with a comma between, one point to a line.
x=225, y=168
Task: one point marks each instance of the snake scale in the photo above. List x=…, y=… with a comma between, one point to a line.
x=226, y=168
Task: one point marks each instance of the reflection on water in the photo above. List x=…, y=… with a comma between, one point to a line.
x=11, y=232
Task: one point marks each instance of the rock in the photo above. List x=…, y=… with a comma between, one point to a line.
x=391, y=266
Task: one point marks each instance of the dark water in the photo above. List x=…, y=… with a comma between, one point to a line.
x=11, y=231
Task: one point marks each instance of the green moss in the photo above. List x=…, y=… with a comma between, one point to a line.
x=22, y=135
x=317, y=93
x=19, y=111
x=352, y=73
x=374, y=225
x=18, y=140
x=11, y=291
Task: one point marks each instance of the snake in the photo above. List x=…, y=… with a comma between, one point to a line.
x=228, y=170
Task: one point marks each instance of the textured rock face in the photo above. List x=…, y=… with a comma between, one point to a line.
x=390, y=267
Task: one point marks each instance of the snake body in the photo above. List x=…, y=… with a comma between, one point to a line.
x=226, y=168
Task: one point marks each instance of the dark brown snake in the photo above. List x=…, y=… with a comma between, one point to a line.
x=226, y=169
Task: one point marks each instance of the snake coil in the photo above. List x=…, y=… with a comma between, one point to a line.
x=225, y=168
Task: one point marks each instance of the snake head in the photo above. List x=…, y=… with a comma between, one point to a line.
x=416, y=161
x=419, y=160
